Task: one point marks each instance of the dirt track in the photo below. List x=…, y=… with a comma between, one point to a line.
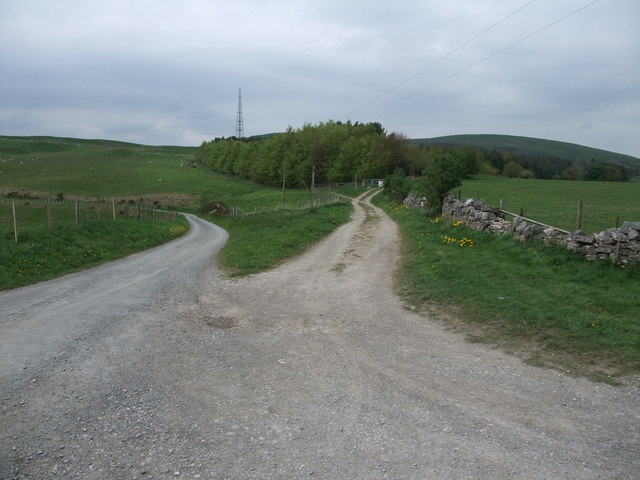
x=312, y=370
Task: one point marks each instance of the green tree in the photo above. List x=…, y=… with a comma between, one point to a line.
x=496, y=159
x=485, y=168
x=395, y=147
x=513, y=170
x=610, y=173
x=443, y=172
x=397, y=186
x=416, y=159
x=337, y=151
x=342, y=167
x=468, y=156
x=594, y=171
x=604, y=172
x=571, y=173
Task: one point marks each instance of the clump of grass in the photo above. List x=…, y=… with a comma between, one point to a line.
x=260, y=242
x=548, y=304
x=44, y=254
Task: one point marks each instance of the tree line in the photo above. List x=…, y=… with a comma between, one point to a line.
x=340, y=152
x=493, y=162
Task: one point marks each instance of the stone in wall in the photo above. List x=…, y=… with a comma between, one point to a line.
x=475, y=214
x=413, y=201
x=621, y=245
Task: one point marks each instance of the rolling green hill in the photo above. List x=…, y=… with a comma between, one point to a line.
x=531, y=147
x=165, y=175
x=94, y=168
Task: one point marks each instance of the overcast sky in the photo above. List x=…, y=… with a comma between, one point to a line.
x=168, y=71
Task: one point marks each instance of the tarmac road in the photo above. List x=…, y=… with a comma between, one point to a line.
x=155, y=366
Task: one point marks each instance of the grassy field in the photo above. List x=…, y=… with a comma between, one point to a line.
x=539, y=302
x=95, y=168
x=555, y=202
x=260, y=242
x=162, y=177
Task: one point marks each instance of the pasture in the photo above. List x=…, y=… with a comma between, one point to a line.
x=35, y=169
x=95, y=168
x=91, y=169
x=555, y=202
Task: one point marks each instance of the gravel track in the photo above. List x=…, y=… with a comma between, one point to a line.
x=156, y=366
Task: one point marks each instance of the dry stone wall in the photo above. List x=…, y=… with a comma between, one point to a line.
x=621, y=245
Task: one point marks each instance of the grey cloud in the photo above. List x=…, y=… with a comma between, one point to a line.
x=171, y=70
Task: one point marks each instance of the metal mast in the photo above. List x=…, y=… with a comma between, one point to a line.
x=239, y=121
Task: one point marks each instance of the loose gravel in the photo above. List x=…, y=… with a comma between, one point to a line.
x=157, y=366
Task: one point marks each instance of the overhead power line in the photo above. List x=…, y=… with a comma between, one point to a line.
x=438, y=60
x=484, y=59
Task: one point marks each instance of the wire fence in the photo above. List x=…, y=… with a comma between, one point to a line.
x=571, y=217
x=34, y=215
x=320, y=196
x=587, y=215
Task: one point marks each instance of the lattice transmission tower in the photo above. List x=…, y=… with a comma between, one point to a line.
x=239, y=120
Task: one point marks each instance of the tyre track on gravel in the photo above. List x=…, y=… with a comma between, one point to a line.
x=413, y=399
x=313, y=369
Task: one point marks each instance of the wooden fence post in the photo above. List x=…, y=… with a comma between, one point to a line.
x=48, y=207
x=313, y=183
x=77, y=211
x=113, y=207
x=580, y=213
x=15, y=222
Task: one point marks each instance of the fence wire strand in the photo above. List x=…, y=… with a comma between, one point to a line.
x=34, y=216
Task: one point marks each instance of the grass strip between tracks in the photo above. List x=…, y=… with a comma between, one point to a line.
x=262, y=241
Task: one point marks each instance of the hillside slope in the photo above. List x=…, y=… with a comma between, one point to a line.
x=531, y=147
x=95, y=168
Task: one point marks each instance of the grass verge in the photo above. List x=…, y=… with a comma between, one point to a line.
x=44, y=254
x=539, y=302
x=259, y=242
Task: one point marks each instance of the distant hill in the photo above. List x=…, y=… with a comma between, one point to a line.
x=531, y=147
x=18, y=145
